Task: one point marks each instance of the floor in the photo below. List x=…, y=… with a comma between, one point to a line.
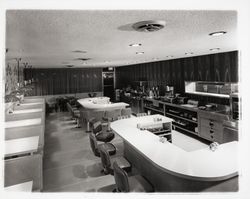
x=70, y=165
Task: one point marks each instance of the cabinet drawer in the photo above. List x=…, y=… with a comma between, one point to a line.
x=211, y=123
x=207, y=133
x=213, y=135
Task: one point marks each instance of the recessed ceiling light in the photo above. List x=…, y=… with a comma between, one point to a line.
x=79, y=51
x=139, y=53
x=190, y=53
x=69, y=66
x=218, y=33
x=155, y=58
x=82, y=59
x=135, y=45
x=214, y=49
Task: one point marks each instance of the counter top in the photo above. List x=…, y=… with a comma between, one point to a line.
x=22, y=187
x=100, y=103
x=202, y=164
x=31, y=103
x=21, y=123
x=21, y=146
x=34, y=110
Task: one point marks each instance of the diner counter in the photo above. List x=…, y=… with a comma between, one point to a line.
x=100, y=103
x=21, y=146
x=21, y=123
x=202, y=165
x=26, y=121
x=27, y=111
x=24, y=141
x=21, y=187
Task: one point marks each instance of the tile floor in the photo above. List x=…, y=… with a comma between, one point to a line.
x=70, y=165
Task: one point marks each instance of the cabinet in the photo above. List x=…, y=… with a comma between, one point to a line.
x=211, y=127
x=205, y=124
x=185, y=119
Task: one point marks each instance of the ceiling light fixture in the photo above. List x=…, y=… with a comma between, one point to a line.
x=82, y=59
x=214, y=49
x=135, y=45
x=218, y=33
x=155, y=58
x=69, y=66
x=149, y=26
x=79, y=51
x=139, y=53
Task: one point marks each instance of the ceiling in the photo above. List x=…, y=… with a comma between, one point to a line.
x=56, y=38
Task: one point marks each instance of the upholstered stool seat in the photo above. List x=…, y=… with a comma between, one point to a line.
x=122, y=162
x=107, y=161
x=109, y=147
x=103, y=136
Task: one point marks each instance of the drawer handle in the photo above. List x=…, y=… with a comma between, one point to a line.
x=211, y=123
x=212, y=137
x=211, y=131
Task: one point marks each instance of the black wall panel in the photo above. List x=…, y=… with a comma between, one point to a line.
x=61, y=81
x=214, y=67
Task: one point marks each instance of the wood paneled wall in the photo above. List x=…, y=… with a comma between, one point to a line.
x=64, y=81
x=222, y=67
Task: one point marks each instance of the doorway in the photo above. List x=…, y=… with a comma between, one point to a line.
x=108, y=84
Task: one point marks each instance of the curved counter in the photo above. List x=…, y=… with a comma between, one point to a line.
x=100, y=103
x=161, y=162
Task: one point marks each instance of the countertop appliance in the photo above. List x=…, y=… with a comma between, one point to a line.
x=234, y=105
x=181, y=100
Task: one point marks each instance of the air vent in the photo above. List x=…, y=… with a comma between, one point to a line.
x=149, y=26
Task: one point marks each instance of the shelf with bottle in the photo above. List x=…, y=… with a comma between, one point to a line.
x=194, y=120
x=184, y=120
x=161, y=111
x=190, y=116
x=154, y=105
x=177, y=126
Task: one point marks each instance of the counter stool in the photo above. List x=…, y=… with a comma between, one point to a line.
x=75, y=114
x=103, y=136
x=107, y=161
x=95, y=147
x=125, y=183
